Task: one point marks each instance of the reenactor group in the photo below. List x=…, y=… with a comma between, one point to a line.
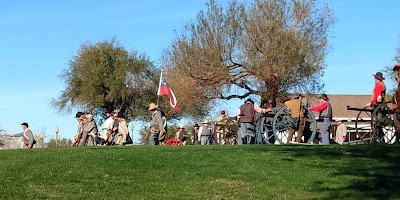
x=115, y=128
x=114, y=132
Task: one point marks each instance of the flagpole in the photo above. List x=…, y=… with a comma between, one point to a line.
x=159, y=84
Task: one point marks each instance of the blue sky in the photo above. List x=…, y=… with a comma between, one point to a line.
x=37, y=38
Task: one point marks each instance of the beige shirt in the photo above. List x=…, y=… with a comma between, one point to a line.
x=295, y=107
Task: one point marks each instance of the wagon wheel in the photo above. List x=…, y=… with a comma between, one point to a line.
x=230, y=131
x=264, y=129
x=173, y=142
x=363, y=127
x=382, y=124
x=219, y=129
x=310, y=127
x=282, y=122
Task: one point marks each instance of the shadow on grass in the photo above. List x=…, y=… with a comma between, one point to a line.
x=374, y=170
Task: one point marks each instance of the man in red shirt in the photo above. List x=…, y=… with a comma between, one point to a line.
x=379, y=90
x=325, y=117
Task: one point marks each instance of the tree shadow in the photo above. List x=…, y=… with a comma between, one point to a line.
x=375, y=170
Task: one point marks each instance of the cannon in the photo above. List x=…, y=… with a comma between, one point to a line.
x=228, y=129
x=374, y=125
x=271, y=127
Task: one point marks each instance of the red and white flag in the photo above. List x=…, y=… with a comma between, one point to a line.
x=164, y=88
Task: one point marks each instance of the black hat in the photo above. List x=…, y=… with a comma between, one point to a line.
x=120, y=115
x=109, y=111
x=196, y=125
x=78, y=114
x=249, y=101
x=379, y=76
x=25, y=124
x=324, y=96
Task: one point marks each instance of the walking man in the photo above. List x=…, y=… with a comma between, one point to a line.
x=156, y=128
x=26, y=135
x=325, y=117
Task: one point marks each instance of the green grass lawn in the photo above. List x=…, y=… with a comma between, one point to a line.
x=202, y=172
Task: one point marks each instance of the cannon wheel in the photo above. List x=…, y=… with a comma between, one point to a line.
x=281, y=125
x=363, y=127
x=382, y=124
x=265, y=128
x=230, y=131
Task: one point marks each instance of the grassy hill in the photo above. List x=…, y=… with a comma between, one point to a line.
x=202, y=172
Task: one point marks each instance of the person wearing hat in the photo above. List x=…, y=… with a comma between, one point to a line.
x=181, y=135
x=219, y=131
x=325, y=117
x=157, y=131
x=90, y=131
x=296, y=108
x=379, y=92
x=195, y=133
x=27, y=136
x=245, y=116
x=77, y=117
x=341, y=132
x=122, y=129
x=206, y=133
x=396, y=104
x=108, y=125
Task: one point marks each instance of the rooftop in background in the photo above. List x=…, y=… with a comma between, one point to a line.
x=340, y=102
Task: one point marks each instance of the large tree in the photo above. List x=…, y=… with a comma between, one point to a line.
x=265, y=48
x=105, y=76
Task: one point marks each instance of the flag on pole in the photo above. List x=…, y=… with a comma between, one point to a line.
x=163, y=89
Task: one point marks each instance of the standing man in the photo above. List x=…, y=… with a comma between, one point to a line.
x=220, y=129
x=195, y=133
x=79, y=131
x=156, y=128
x=107, y=126
x=296, y=108
x=84, y=135
x=122, y=129
x=205, y=133
x=396, y=104
x=245, y=117
x=26, y=135
x=325, y=117
x=379, y=93
x=340, y=132
x=90, y=131
x=181, y=135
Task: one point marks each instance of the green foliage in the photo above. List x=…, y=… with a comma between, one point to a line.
x=260, y=47
x=105, y=76
x=202, y=172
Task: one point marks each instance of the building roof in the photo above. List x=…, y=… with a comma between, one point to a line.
x=340, y=102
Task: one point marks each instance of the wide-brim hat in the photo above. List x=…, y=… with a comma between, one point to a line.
x=196, y=125
x=181, y=127
x=396, y=67
x=205, y=122
x=379, y=76
x=25, y=124
x=324, y=96
x=152, y=106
